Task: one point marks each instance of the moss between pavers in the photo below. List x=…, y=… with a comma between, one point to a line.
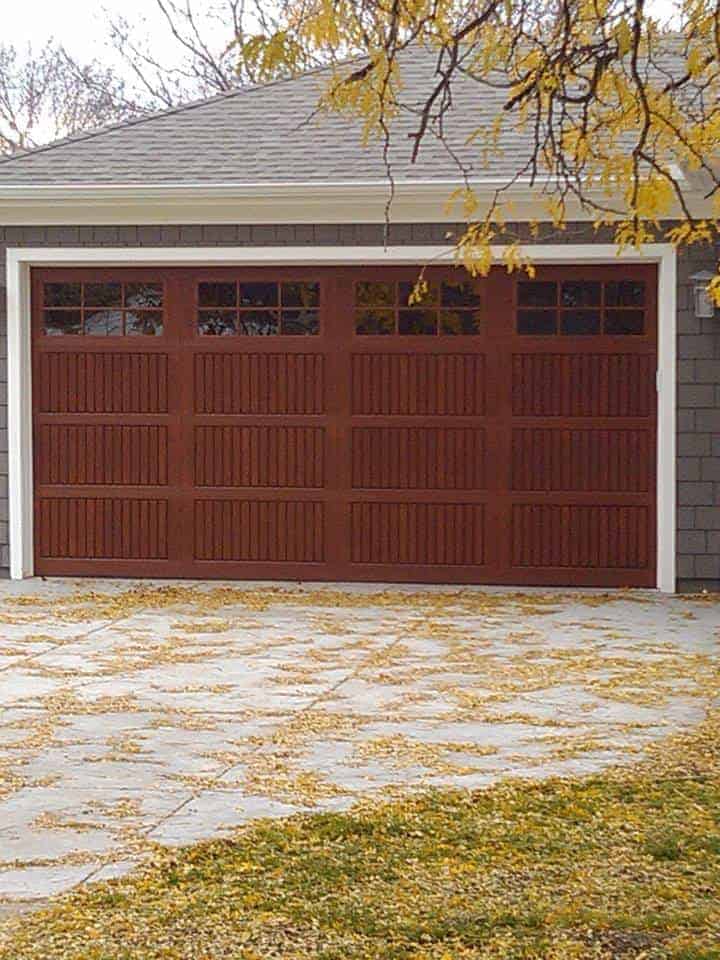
x=620, y=865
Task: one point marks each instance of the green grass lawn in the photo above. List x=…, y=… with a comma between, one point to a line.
x=620, y=865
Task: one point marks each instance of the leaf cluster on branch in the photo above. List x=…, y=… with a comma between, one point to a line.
x=599, y=109
x=616, y=112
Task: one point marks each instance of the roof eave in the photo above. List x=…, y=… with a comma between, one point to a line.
x=417, y=201
x=340, y=201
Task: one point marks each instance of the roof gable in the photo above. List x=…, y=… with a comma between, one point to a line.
x=265, y=134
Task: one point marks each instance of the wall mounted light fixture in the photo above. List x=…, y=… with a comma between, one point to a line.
x=704, y=306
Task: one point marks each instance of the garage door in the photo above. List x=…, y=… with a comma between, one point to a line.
x=338, y=423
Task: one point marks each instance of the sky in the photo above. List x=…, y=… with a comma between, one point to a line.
x=80, y=24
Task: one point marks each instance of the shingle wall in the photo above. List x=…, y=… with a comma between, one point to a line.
x=698, y=434
x=698, y=356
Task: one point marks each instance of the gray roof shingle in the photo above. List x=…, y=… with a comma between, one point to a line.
x=269, y=134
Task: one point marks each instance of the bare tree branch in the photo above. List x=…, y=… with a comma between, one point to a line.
x=45, y=95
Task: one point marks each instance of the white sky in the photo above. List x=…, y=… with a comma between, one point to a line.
x=80, y=24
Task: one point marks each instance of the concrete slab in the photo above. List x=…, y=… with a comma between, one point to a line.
x=136, y=713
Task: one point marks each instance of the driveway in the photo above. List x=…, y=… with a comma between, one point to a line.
x=137, y=714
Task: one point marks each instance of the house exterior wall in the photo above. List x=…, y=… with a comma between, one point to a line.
x=698, y=464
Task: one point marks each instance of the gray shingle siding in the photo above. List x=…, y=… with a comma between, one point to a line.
x=698, y=465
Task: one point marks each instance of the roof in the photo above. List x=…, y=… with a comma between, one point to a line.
x=269, y=133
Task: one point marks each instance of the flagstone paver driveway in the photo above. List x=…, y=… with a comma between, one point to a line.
x=140, y=714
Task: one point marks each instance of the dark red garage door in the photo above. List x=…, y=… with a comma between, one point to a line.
x=324, y=423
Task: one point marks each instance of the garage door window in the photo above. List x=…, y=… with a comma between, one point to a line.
x=450, y=308
x=103, y=309
x=259, y=308
x=580, y=307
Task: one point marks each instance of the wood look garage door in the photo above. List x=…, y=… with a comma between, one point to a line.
x=331, y=424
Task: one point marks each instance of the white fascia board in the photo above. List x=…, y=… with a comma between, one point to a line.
x=419, y=201
x=414, y=201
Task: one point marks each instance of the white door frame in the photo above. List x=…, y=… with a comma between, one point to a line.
x=21, y=260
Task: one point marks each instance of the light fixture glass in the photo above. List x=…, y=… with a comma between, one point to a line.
x=704, y=307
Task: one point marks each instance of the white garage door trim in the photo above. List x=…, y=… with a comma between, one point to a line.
x=20, y=261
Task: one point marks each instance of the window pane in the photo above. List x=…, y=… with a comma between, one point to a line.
x=147, y=295
x=216, y=323
x=459, y=321
x=103, y=323
x=580, y=322
x=460, y=293
x=217, y=294
x=537, y=293
x=301, y=294
x=62, y=294
x=537, y=322
x=103, y=295
x=300, y=322
x=620, y=322
x=375, y=321
x=146, y=323
x=581, y=293
x=417, y=322
x=427, y=298
x=372, y=294
x=259, y=323
x=59, y=322
x=258, y=294
x=625, y=293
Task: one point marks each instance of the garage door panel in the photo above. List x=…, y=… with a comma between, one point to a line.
x=260, y=383
x=102, y=528
x=409, y=458
x=259, y=456
x=103, y=454
x=581, y=536
x=583, y=385
x=418, y=534
x=107, y=382
x=581, y=460
x=256, y=531
x=418, y=384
